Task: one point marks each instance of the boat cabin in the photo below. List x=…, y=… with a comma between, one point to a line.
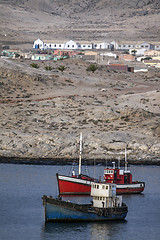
x=117, y=175
x=104, y=195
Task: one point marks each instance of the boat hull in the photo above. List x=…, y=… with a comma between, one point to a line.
x=61, y=211
x=77, y=186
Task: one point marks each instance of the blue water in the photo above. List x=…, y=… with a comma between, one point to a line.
x=22, y=213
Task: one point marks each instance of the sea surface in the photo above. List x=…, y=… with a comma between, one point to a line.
x=22, y=212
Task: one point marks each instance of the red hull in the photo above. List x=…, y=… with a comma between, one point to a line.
x=75, y=186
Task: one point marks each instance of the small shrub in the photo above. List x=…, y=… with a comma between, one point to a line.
x=48, y=68
x=61, y=68
x=34, y=65
x=92, y=68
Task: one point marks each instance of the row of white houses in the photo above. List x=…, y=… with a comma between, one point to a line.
x=72, y=45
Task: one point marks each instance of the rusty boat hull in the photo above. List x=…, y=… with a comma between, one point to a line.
x=61, y=211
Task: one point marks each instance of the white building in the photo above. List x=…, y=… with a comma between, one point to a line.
x=101, y=45
x=87, y=45
x=71, y=45
x=38, y=44
x=137, y=51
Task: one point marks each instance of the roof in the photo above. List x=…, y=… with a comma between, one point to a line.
x=55, y=41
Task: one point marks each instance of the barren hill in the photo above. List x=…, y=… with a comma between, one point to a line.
x=86, y=19
x=42, y=112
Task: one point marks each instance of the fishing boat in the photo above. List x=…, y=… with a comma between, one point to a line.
x=106, y=206
x=81, y=184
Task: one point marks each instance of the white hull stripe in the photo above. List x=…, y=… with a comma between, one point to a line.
x=75, y=180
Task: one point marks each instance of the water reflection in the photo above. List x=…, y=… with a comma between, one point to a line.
x=60, y=231
x=94, y=231
x=106, y=230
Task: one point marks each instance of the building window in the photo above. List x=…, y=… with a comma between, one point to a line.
x=124, y=45
x=97, y=186
x=103, y=187
x=84, y=45
x=55, y=45
x=119, y=45
x=49, y=45
x=106, y=187
x=142, y=46
x=73, y=46
x=79, y=45
x=59, y=45
x=95, y=45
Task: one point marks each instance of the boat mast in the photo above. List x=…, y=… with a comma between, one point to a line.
x=126, y=158
x=80, y=153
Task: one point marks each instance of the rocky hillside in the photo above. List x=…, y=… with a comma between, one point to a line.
x=43, y=112
x=79, y=20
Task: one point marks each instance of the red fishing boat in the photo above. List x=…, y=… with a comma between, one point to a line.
x=81, y=184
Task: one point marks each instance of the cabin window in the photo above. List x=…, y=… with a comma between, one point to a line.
x=106, y=187
x=97, y=186
x=73, y=46
x=124, y=45
x=142, y=46
x=103, y=187
x=119, y=45
x=110, y=187
x=59, y=45
x=50, y=45
x=100, y=198
x=95, y=45
x=103, y=198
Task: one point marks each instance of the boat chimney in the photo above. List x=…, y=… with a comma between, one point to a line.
x=113, y=165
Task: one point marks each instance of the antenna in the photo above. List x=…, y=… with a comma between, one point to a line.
x=126, y=158
x=80, y=153
x=119, y=163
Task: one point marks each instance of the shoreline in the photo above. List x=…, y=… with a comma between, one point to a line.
x=64, y=161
